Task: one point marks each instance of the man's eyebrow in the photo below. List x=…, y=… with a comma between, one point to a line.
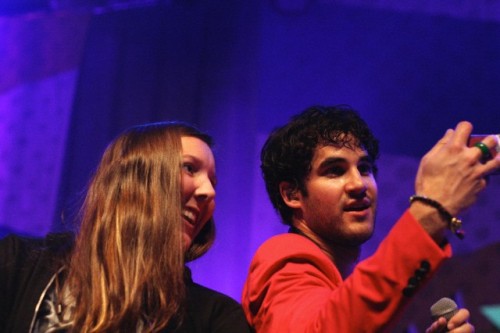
x=329, y=161
x=336, y=160
x=332, y=160
x=366, y=158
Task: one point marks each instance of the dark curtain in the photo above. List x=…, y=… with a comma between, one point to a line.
x=179, y=62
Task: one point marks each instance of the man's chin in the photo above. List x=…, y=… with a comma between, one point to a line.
x=358, y=238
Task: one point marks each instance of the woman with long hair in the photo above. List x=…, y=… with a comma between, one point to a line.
x=148, y=211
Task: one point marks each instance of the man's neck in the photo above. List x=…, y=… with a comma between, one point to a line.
x=343, y=257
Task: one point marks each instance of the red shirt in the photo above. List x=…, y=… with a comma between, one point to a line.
x=293, y=286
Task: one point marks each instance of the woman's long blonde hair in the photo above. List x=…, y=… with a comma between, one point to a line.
x=127, y=266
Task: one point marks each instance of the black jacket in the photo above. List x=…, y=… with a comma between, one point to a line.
x=27, y=265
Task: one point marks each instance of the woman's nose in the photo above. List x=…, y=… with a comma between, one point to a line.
x=205, y=189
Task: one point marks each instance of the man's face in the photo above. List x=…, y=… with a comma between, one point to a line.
x=341, y=196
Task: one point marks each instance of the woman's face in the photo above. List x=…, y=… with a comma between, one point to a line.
x=198, y=186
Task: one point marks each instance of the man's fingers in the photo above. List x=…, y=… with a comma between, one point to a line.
x=462, y=132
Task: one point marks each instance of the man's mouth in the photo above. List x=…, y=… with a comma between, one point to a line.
x=358, y=207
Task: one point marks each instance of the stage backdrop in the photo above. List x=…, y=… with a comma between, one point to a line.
x=72, y=80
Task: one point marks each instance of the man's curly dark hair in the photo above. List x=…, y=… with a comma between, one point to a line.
x=287, y=154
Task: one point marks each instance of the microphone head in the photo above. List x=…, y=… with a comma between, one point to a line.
x=445, y=307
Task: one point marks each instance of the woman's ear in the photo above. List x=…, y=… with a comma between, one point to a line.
x=290, y=194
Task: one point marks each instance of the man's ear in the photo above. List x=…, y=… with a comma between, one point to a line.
x=290, y=194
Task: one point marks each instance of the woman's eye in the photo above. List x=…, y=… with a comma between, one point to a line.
x=188, y=167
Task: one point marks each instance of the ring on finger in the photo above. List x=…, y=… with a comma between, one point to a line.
x=485, y=151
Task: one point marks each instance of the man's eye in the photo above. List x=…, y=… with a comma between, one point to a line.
x=366, y=169
x=336, y=170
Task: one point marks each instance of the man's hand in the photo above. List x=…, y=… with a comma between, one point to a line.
x=457, y=324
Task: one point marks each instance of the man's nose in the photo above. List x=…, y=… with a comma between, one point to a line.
x=356, y=182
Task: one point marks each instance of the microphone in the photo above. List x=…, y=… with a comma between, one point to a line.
x=445, y=307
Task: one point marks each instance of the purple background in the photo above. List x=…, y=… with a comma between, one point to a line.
x=73, y=77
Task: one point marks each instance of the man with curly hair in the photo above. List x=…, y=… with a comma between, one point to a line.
x=320, y=174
